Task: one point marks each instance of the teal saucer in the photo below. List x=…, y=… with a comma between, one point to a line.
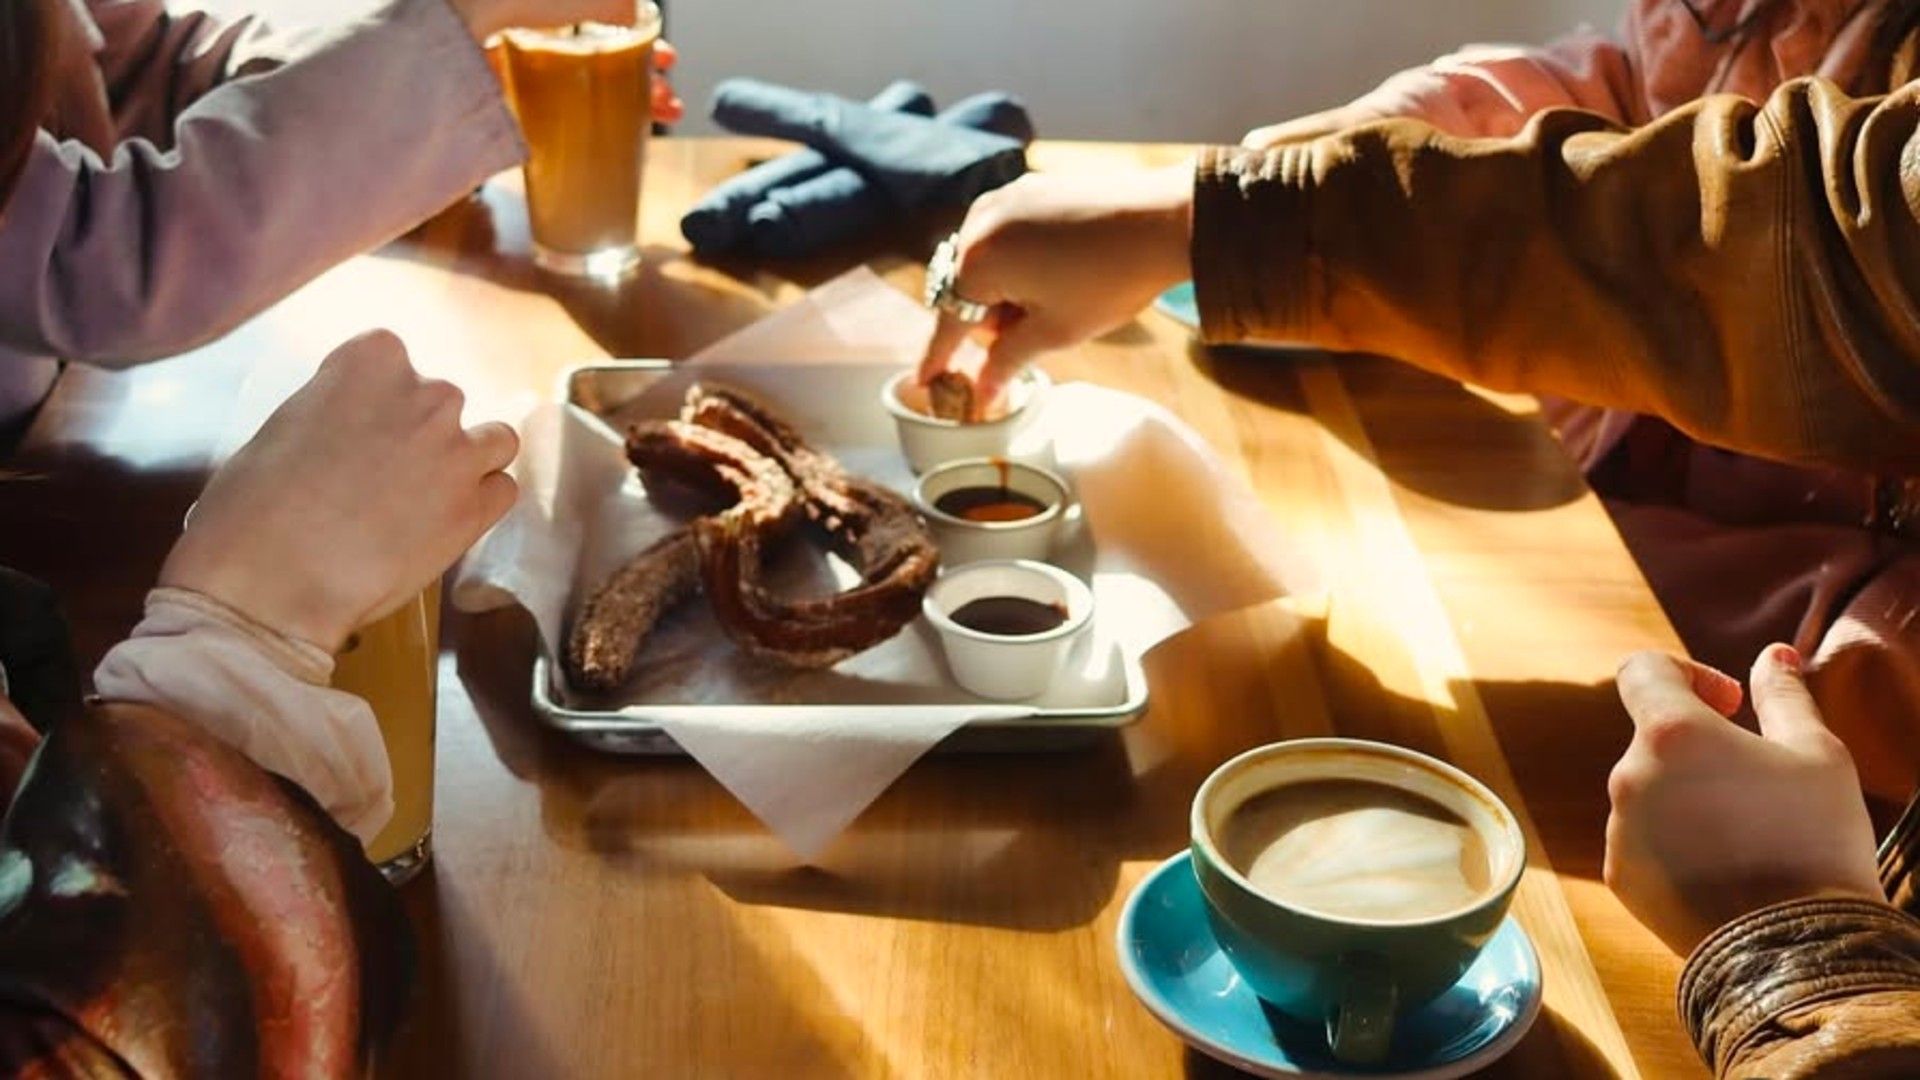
x=1179, y=304
x=1178, y=971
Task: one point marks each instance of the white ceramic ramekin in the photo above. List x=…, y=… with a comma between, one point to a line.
x=962, y=541
x=1007, y=668
x=928, y=441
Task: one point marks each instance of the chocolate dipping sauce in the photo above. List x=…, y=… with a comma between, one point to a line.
x=1010, y=616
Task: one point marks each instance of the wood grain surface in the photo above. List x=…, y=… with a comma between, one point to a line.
x=595, y=916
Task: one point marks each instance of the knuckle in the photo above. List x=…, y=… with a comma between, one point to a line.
x=440, y=396
x=1668, y=734
x=988, y=218
x=497, y=494
x=380, y=347
x=384, y=340
x=505, y=488
x=978, y=243
x=376, y=354
x=1639, y=666
x=1625, y=784
x=497, y=442
x=991, y=206
x=1830, y=751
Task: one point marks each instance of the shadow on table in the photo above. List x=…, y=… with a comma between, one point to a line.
x=472, y=1013
x=437, y=1037
x=672, y=306
x=1494, y=461
x=1554, y=1047
x=964, y=838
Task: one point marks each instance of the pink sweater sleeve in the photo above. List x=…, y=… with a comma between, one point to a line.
x=1493, y=90
x=263, y=694
x=1865, y=673
x=267, y=181
x=1485, y=91
x=156, y=61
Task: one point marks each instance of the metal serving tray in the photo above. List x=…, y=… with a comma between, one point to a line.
x=1104, y=692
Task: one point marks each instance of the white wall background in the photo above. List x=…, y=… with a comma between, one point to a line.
x=1173, y=70
x=1148, y=70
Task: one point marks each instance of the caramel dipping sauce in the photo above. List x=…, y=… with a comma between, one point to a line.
x=583, y=97
x=989, y=504
x=990, y=508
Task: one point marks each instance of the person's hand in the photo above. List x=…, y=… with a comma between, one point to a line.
x=667, y=106
x=1313, y=126
x=1063, y=258
x=1711, y=821
x=359, y=490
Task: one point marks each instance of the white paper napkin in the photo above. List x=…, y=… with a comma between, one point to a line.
x=1179, y=538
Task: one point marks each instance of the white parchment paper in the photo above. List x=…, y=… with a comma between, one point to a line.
x=1164, y=533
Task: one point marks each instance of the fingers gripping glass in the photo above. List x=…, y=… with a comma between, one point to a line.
x=941, y=271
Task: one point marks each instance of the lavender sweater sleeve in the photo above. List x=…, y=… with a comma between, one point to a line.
x=270, y=178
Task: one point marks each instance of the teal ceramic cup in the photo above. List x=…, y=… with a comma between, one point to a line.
x=1355, y=976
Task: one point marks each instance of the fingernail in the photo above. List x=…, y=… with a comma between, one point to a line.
x=1787, y=657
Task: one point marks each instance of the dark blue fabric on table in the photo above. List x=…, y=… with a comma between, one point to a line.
x=916, y=161
x=886, y=163
x=842, y=204
x=719, y=220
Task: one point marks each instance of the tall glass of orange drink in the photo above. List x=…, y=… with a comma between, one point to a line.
x=583, y=95
x=393, y=664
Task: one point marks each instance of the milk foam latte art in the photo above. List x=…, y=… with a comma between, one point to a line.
x=1350, y=882
x=1357, y=849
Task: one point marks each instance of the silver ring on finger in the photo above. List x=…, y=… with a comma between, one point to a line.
x=941, y=295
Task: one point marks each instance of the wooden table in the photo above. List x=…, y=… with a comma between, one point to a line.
x=593, y=916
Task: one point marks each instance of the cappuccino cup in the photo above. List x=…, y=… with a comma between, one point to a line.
x=1351, y=882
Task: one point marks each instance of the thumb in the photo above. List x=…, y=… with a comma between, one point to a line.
x=1781, y=700
x=1660, y=689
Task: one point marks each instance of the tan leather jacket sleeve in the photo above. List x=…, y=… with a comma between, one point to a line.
x=1822, y=988
x=1749, y=272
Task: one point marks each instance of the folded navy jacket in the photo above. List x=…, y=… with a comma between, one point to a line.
x=880, y=163
x=718, y=221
